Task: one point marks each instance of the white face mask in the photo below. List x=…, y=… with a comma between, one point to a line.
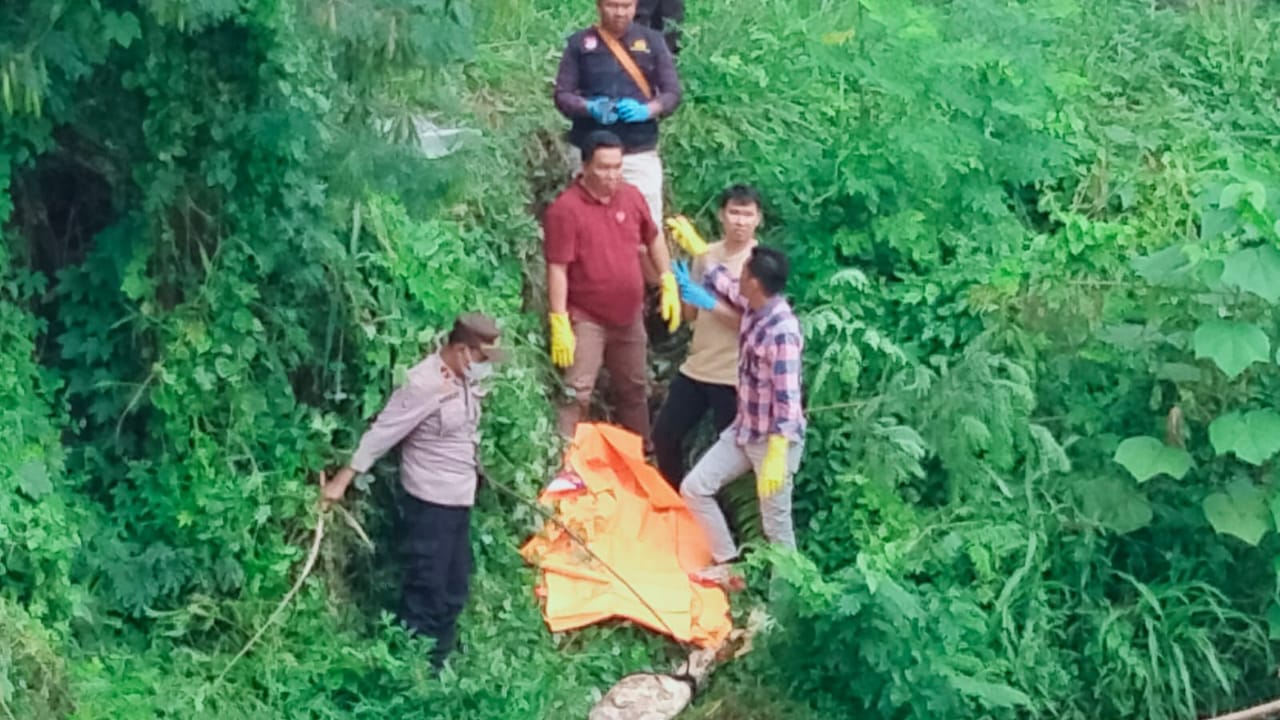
x=478, y=371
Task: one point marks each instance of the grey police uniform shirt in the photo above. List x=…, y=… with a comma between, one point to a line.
x=434, y=418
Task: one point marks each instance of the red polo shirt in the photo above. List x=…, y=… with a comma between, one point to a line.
x=600, y=245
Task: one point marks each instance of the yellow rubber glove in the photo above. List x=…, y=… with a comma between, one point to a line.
x=773, y=469
x=669, y=303
x=563, y=343
x=686, y=235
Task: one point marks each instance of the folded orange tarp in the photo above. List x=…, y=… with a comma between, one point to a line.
x=631, y=518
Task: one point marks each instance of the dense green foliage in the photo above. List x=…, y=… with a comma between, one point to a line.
x=1035, y=254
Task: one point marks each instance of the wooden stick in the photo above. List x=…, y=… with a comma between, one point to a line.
x=354, y=524
x=310, y=564
x=1257, y=712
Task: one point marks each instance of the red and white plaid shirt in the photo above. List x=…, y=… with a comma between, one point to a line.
x=770, y=345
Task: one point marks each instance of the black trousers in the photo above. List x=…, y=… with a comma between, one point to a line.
x=436, y=551
x=688, y=400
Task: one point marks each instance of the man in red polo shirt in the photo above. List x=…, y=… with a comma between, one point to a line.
x=597, y=234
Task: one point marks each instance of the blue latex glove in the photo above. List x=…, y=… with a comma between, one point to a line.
x=632, y=110
x=690, y=291
x=603, y=110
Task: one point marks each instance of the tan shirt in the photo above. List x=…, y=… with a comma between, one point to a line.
x=713, y=352
x=434, y=417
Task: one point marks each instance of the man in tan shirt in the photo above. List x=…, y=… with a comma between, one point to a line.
x=708, y=379
x=434, y=418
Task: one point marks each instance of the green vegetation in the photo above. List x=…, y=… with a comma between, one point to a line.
x=1035, y=249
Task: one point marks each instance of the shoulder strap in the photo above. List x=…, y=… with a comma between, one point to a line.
x=627, y=62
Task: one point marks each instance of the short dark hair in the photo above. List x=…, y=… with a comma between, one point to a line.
x=741, y=194
x=770, y=267
x=598, y=139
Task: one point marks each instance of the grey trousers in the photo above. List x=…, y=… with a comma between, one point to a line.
x=725, y=462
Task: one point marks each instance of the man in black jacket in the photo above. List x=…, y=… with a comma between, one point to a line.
x=664, y=16
x=619, y=76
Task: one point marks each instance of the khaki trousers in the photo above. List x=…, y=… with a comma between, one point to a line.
x=623, y=350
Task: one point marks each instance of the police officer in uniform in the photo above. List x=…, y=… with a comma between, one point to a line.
x=433, y=417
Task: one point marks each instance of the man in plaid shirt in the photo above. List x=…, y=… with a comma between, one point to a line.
x=767, y=435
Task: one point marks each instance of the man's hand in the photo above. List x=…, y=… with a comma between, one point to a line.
x=603, y=110
x=332, y=491
x=686, y=235
x=773, y=469
x=669, y=302
x=563, y=343
x=690, y=291
x=633, y=111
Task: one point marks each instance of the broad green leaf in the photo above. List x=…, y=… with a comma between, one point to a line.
x=1253, y=437
x=224, y=368
x=989, y=694
x=1115, y=503
x=1215, y=223
x=1233, y=346
x=1242, y=511
x=1253, y=191
x=1225, y=430
x=1146, y=457
x=33, y=479
x=1209, y=273
x=1162, y=267
x=1255, y=270
x=121, y=28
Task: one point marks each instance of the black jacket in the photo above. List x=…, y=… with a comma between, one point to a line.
x=588, y=69
x=661, y=15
